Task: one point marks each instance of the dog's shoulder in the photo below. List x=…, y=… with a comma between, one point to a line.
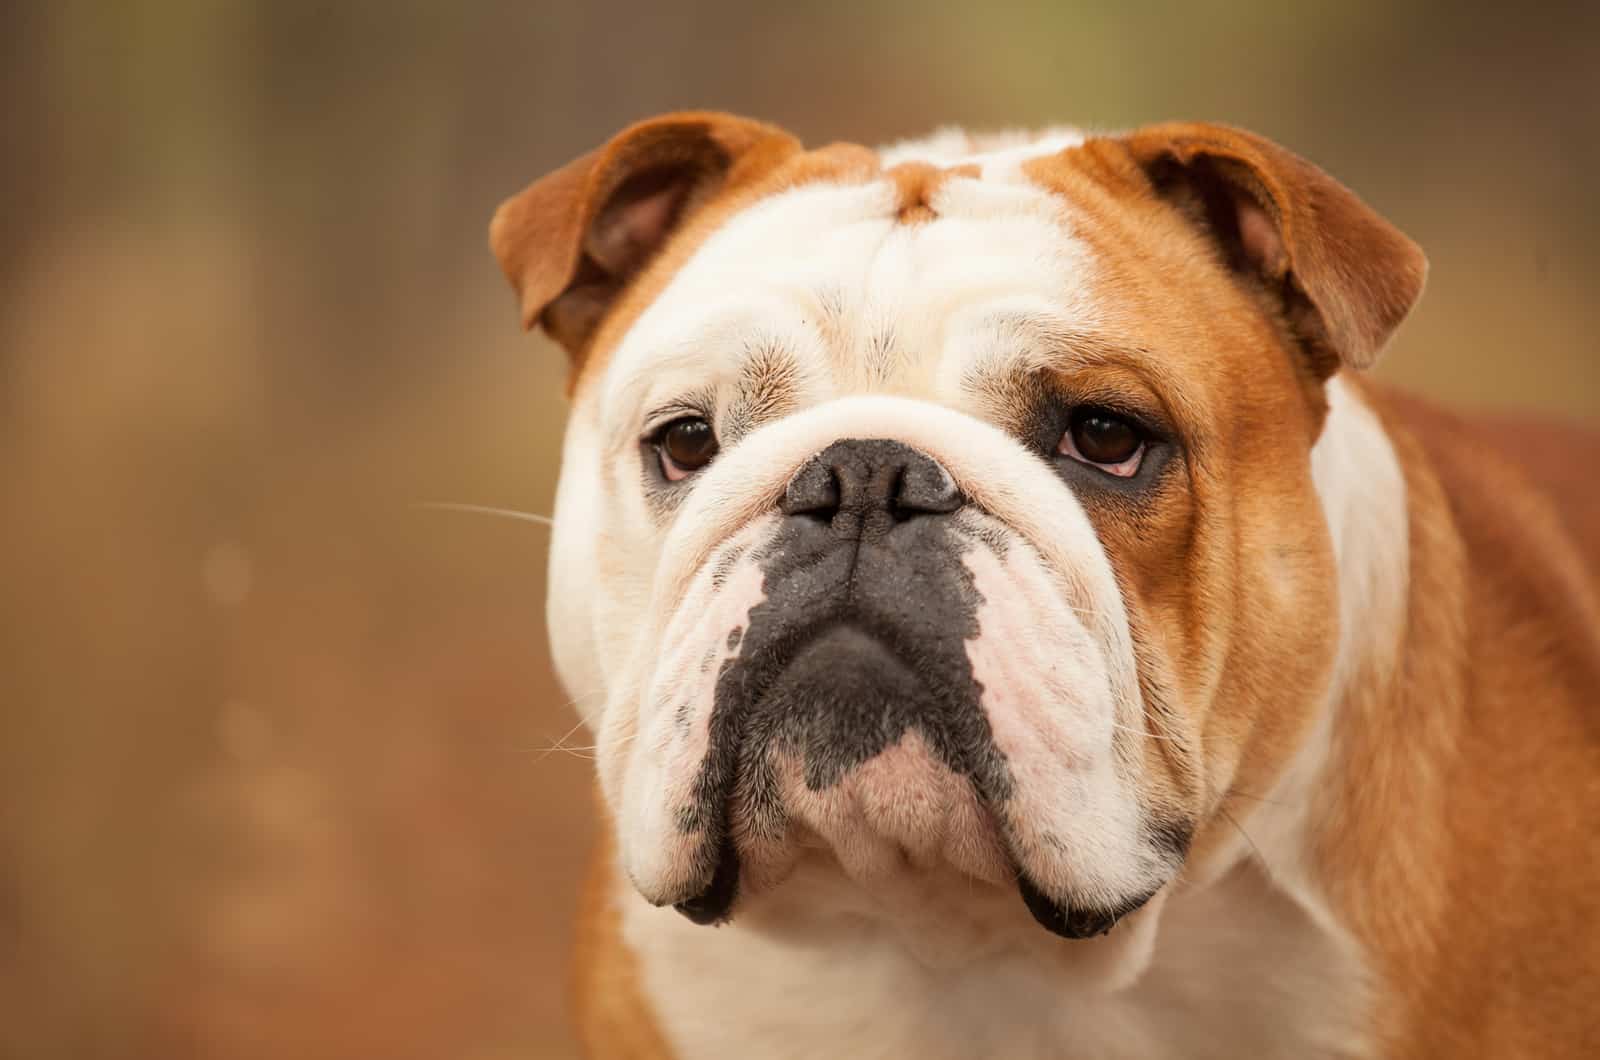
x=1516, y=502
x=1510, y=477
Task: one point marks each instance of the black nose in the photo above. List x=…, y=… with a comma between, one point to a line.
x=857, y=484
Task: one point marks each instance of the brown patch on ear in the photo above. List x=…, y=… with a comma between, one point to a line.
x=1343, y=277
x=571, y=241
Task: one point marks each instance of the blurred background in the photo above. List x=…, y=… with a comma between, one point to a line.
x=281, y=765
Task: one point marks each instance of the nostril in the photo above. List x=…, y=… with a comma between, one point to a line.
x=813, y=491
x=897, y=496
x=925, y=487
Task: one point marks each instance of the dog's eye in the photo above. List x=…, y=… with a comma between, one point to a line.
x=685, y=446
x=1105, y=440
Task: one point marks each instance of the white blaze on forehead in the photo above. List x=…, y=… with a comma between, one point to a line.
x=828, y=276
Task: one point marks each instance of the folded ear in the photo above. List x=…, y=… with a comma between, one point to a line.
x=570, y=242
x=1346, y=278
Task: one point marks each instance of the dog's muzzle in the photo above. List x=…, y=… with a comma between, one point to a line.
x=847, y=708
x=860, y=640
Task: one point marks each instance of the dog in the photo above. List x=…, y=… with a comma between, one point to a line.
x=1011, y=626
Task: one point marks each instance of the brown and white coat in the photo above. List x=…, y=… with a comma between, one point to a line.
x=1304, y=703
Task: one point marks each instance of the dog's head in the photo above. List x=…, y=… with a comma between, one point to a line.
x=947, y=508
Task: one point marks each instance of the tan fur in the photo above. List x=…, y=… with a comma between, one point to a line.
x=1461, y=843
x=1360, y=274
x=1456, y=839
x=609, y=1009
x=916, y=182
x=554, y=239
x=1181, y=560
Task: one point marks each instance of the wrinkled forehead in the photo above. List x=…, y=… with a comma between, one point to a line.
x=946, y=265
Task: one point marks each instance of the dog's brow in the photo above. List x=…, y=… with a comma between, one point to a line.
x=768, y=381
x=1015, y=344
x=831, y=315
x=689, y=359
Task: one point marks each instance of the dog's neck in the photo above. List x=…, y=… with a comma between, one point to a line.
x=1363, y=489
x=946, y=967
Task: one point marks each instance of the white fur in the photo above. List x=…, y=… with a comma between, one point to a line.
x=1055, y=709
x=1236, y=971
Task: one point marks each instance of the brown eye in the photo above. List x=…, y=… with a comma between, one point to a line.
x=1110, y=442
x=686, y=446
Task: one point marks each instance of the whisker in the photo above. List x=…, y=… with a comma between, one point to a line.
x=560, y=743
x=1255, y=798
x=548, y=751
x=484, y=509
x=575, y=700
x=571, y=748
x=1252, y=843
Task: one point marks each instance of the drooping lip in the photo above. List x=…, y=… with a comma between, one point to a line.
x=1075, y=921
x=714, y=905
x=725, y=774
x=715, y=902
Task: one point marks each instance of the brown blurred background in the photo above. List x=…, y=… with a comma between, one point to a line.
x=275, y=766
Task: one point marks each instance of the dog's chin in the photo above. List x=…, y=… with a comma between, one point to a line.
x=945, y=918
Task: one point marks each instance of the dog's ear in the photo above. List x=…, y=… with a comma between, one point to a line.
x=1343, y=277
x=570, y=242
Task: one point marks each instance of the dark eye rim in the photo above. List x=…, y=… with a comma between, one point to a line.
x=655, y=441
x=1161, y=446
x=1143, y=437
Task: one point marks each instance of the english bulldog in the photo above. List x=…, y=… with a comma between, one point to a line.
x=1010, y=627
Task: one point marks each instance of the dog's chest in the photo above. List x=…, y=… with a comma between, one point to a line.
x=1238, y=971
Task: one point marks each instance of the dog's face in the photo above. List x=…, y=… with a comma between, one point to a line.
x=947, y=509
